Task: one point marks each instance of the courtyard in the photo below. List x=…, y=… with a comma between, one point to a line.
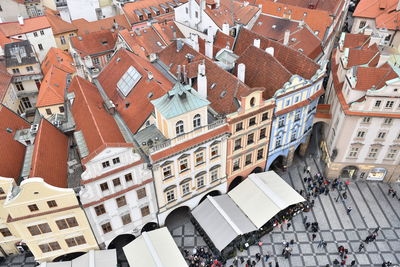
x=371, y=207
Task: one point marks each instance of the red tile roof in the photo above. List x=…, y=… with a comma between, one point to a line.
x=50, y=155
x=12, y=152
x=97, y=125
x=58, y=25
x=330, y=6
x=58, y=58
x=221, y=40
x=383, y=11
x=85, y=27
x=136, y=107
x=368, y=77
x=143, y=41
x=166, y=30
x=355, y=40
x=4, y=40
x=30, y=25
x=94, y=43
x=5, y=80
x=368, y=56
x=52, y=88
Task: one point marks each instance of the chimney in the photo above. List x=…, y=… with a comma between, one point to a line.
x=115, y=24
x=179, y=45
x=256, y=43
x=209, y=49
x=184, y=75
x=286, y=37
x=382, y=60
x=270, y=50
x=21, y=20
x=202, y=80
x=241, y=72
x=178, y=74
x=210, y=36
x=225, y=28
x=217, y=3
x=203, y=4
x=174, y=34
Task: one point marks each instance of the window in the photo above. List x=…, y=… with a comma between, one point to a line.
x=2, y=191
x=361, y=134
x=185, y=188
x=106, y=228
x=373, y=152
x=67, y=223
x=239, y=126
x=199, y=158
x=116, y=182
x=42, y=32
x=128, y=177
x=108, y=57
x=264, y=116
x=96, y=61
x=75, y=241
x=40, y=46
x=62, y=40
x=38, y=83
x=48, y=111
x=238, y=144
x=145, y=211
x=1, y=9
x=5, y=232
x=252, y=121
x=196, y=14
x=278, y=142
x=200, y=181
x=105, y=164
x=49, y=247
x=388, y=121
x=35, y=34
x=52, y=203
x=297, y=115
x=33, y=207
x=366, y=119
x=61, y=108
x=179, y=128
x=248, y=159
x=260, y=153
x=353, y=152
x=39, y=229
x=196, y=121
x=381, y=135
x=293, y=135
x=263, y=132
x=252, y=101
x=183, y=165
x=71, y=35
x=26, y=102
x=167, y=172
x=116, y=160
x=281, y=122
x=99, y=210
x=187, y=10
x=236, y=164
x=250, y=139
x=362, y=24
x=126, y=219
x=15, y=71
x=214, y=151
x=389, y=104
x=391, y=154
x=19, y=86
x=121, y=201
x=104, y=186
x=170, y=195
x=29, y=68
x=214, y=175
x=378, y=103
x=141, y=193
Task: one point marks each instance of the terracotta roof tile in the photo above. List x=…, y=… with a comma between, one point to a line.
x=368, y=56
x=98, y=127
x=52, y=88
x=4, y=40
x=95, y=42
x=166, y=30
x=221, y=40
x=12, y=152
x=58, y=58
x=136, y=107
x=330, y=6
x=355, y=40
x=374, y=8
x=85, y=27
x=58, y=25
x=50, y=155
x=143, y=41
x=5, y=80
x=30, y=25
x=368, y=77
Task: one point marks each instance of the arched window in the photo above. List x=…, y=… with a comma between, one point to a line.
x=179, y=128
x=196, y=121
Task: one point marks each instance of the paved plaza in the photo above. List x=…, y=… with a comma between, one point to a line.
x=21, y=260
x=371, y=206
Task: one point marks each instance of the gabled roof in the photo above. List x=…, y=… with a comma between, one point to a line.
x=221, y=40
x=293, y=60
x=52, y=88
x=58, y=58
x=98, y=127
x=30, y=25
x=94, y=43
x=369, y=77
x=135, y=108
x=12, y=152
x=374, y=8
x=5, y=80
x=352, y=40
x=50, y=155
x=166, y=30
x=179, y=100
x=85, y=27
x=330, y=6
x=369, y=55
x=59, y=25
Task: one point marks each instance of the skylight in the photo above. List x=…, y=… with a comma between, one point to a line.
x=128, y=81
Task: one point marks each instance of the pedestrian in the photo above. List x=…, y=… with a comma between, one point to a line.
x=376, y=230
x=270, y=264
x=343, y=263
x=307, y=225
x=292, y=242
x=336, y=262
x=304, y=219
x=353, y=262
x=305, y=179
x=390, y=191
x=324, y=244
x=320, y=243
x=241, y=260
x=266, y=257
x=360, y=247
x=394, y=194
x=276, y=264
x=288, y=226
x=349, y=210
x=314, y=236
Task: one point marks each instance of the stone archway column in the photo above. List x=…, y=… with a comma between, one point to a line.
x=304, y=146
x=287, y=161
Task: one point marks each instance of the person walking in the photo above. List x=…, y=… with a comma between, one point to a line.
x=376, y=230
x=320, y=243
x=307, y=225
x=267, y=257
x=288, y=226
x=270, y=264
x=361, y=247
x=349, y=210
x=304, y=219
x=313, y=236
x=276, y=264
x=353, y=262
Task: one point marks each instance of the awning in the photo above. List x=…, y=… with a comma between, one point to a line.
x=262, y=195
x=222, y=220
x=156, y=248
x=93, y=258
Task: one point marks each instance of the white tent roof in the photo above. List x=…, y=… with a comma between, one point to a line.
x=93, y=258
x=262, y=195
x=222, y=220
x=156, y=248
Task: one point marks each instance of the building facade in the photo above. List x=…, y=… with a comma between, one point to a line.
x=10, y=10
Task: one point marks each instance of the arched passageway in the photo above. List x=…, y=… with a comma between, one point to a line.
x=235, y=182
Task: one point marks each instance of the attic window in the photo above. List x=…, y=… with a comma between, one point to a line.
x=223, y=93
x=316, y=32
x=104, y=42
x=305, y=14
x=128, y=81
x=213, y=85
x=159, y=44
x=150, y=95
x=301, y=50
x=273, y=26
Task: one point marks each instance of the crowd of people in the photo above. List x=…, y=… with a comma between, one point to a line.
x=201, y=257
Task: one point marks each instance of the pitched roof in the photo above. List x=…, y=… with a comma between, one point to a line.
x=330, y=6
x=12, y=152
x=274, y=27
x=374, y=8
x=59, y=25
x=293, y=60
x=50, y=155
x=369, y=77
x=369, y=55
x=5, y=80
x=352, y=40
x=23, y=50
x=143, y=41
x=58, y=58
x=4, y=40
x=221, y=40
x=94, y=43
x=52, y=88
x=135, y=108
x=166, y=30
x=85, y=27
x=98, y=127
x=30, y=25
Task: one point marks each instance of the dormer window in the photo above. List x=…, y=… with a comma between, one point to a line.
x=179, y=128
x=197, y=121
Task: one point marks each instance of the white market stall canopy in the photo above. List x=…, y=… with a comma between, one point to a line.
x=263, y=195
x=93, y=258
x=222, y=220
x=156, y=248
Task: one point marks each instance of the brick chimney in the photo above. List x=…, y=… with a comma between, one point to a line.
x=241, y=72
